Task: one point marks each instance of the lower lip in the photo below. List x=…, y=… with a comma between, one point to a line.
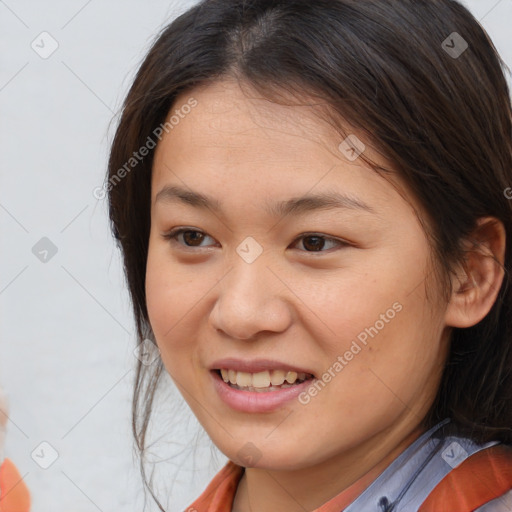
x=254, y=401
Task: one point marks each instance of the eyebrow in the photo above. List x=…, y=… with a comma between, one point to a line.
x=296, y=205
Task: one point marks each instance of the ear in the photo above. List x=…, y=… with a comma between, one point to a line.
x=478, y=278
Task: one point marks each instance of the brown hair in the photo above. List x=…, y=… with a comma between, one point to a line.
x=442, y=119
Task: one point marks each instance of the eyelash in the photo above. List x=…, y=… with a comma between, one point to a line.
x=173, y=235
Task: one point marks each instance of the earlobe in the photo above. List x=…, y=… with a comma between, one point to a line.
x=477, y=282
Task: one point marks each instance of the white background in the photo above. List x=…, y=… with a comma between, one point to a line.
x=67, y=340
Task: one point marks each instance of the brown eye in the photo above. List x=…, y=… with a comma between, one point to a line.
x=316, y=243
x=313, y=243
x=190, y=237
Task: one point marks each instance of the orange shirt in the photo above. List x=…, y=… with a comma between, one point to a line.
x=437, y=472
x=14, y=494
x=220, y=493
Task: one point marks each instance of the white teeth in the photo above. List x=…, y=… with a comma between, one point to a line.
x=291, y=377
x=243, y=379
x=277, y=377
x=261, y=380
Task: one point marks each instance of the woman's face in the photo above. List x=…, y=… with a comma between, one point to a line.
x=274, y=276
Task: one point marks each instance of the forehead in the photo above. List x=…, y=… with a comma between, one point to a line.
x=233, y=141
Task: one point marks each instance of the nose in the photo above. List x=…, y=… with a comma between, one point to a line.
x=251, y=300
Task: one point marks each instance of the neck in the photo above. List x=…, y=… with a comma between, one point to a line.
x=307, y=489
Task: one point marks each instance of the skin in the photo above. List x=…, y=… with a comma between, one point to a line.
x=292, y=303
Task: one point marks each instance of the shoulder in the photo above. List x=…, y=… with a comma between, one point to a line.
x=483, y=480
x=501, y=504
x=442, y=472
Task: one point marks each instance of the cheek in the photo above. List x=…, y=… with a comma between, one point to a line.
x=179, y=296
x=384, y=329
x=171, y=294
x=390, y=363
x=351, y=306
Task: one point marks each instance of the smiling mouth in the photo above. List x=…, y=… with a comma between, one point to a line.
x=262, y=382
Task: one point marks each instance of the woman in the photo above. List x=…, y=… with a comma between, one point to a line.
x=340, y=321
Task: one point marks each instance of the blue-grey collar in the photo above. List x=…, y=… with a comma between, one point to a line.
x=408, y=480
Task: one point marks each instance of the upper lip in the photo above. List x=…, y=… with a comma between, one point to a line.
x=256, y=365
